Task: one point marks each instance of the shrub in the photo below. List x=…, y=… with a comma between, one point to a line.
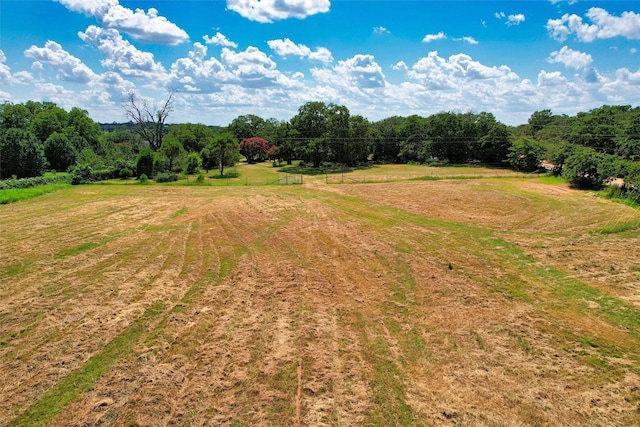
x=200, y=178
x=126, y=173
x=80, y=174
x=587, y=169
x=166, y=177
x=144, y=179
x=144, y=164
x=194, y=161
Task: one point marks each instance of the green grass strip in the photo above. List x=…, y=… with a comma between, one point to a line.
x=13, y=195
x=83, y=378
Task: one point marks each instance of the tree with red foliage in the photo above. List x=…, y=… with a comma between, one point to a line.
x=254, y=149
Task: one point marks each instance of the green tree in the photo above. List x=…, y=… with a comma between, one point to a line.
x=21, y=154
x=144, y=163
x=224, y=150
x=525, y=154
x=311, y=123
x=247, y=126
x=172, y=149
x=588, y=169
x=193, y=137
x=59, y=151
x=194, y=162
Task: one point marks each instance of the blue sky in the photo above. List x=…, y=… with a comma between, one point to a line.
x=379, y=58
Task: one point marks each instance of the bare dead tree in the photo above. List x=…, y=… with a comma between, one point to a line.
x=147, y=123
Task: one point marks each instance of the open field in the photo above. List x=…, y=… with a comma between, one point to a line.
x=488, y=301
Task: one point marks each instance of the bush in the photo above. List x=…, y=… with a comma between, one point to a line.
x=125, y=173
x=144, y=179
x=200, y=178
x=144, y=164
x=165, y=177
x=229, y=174
x=34, y=182
x=80, y=174
x=194, y=161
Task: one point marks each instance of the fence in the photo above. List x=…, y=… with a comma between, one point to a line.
x=250, y=181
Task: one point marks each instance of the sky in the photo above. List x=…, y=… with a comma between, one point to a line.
x=227, y=58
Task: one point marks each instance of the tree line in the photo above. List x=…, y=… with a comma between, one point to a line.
x=587, y=148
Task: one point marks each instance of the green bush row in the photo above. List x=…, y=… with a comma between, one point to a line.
x=34, y=182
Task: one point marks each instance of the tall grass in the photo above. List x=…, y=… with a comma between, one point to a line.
x=12, y=195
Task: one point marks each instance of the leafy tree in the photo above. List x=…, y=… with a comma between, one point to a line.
x=588, y=169
x=538, y=120
x=144, y=163
x=413, y=134
x=147, y=121
x=224, y=150
x=14, y=116
x=48, y=121
x=21, y=154
x=247, y=126
x=193, y=137
x=311, y=123
x=525, y=154
x=254, y=149
x=59, y=151
x=558, y=154
x=286, y=137
x=386, y=147
x=79, y=123
x=172, y=150
x=194, y=162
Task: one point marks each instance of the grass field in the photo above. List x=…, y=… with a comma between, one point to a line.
x=504, y=300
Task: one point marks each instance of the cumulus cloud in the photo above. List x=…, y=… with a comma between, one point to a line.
x=250, y=69
x=433, y=37
x=603, y=26
x=220, y=40
x=144, y=26
x=515, y=19
x=67, y=66
x=266, y=11
x=361, y=72
x=5, y=71
x=570, y=58
x=122, y=57
x=381, y=30
x=467, y=39
x=286, y=48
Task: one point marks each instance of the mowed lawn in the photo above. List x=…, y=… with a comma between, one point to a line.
x=488, y=301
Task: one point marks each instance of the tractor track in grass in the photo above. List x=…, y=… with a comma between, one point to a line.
x=342, y=305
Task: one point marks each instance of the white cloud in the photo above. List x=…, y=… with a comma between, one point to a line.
x=250, y=69
x=516, y=19
x=633, y=51
x=570, y=58
x=433, y=37
x=122, y=57
x=356, y=76
x=68, y=67
x=6, y=78
x=321, y=54
x=266, y=11
x=467, y=39
x=381, y=30
x=286, y=48
x=144, y=26
x=604, y=26
x=220, y=40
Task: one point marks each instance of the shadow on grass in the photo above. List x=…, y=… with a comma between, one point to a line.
x=323, y=170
